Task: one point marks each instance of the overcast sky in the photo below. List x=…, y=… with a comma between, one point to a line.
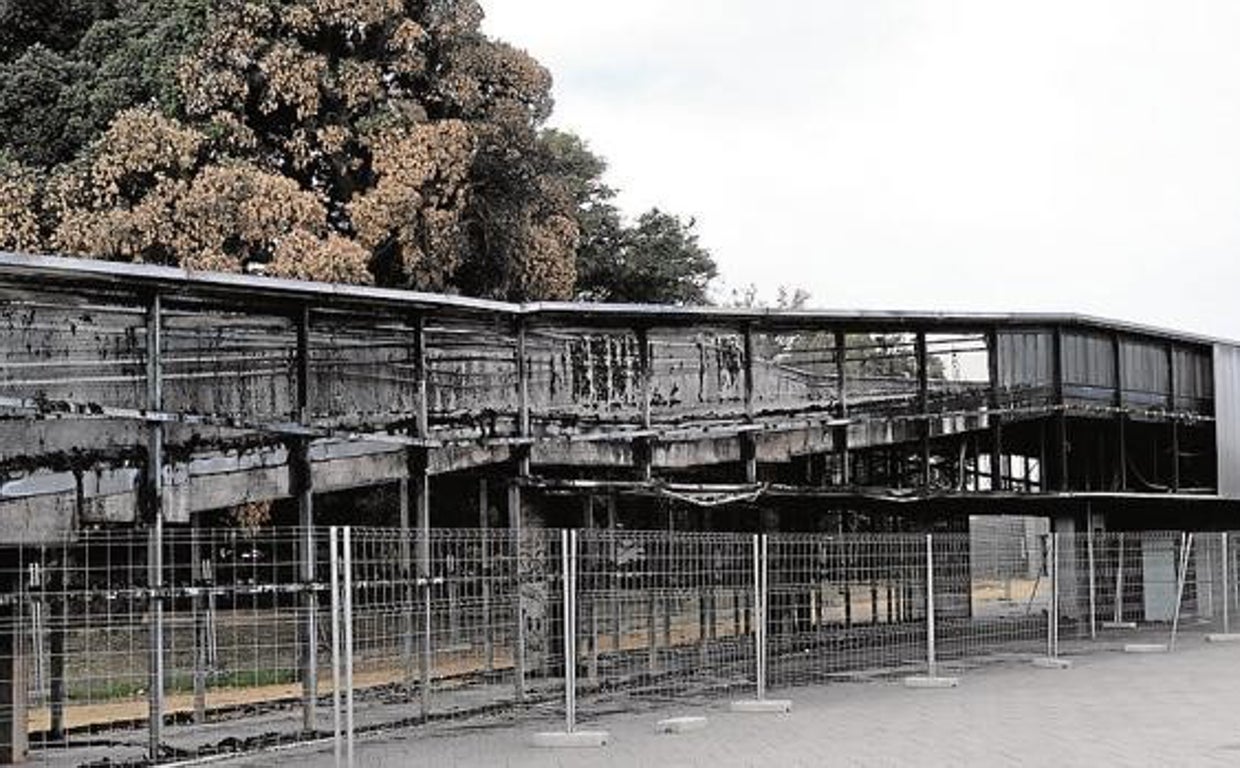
x=986, y=155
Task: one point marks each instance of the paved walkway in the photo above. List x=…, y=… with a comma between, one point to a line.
x=1181, y=709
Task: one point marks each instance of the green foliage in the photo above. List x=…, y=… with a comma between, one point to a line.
x=62, y=84
x=657, y=260
x=358, y=140
x=53, y=24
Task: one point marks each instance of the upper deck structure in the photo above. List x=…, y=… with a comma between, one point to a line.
x=241, y=389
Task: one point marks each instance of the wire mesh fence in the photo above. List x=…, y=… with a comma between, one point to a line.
x=254, y=636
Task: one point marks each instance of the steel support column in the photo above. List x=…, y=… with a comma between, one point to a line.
x=996, y=421
x=923, y=405
x=302, y=486
x=154, y=519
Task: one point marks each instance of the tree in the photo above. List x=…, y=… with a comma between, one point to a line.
x=339, y=139
x=69, y=66
x=657, y=260
x=54, y=24
x=358, y=140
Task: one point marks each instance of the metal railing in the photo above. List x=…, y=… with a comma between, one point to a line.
x=472, y=625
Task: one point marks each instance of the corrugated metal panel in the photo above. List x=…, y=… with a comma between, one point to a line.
x=1194, y=380
x=1088, y=365
x=1145, y=374
x=1227, y=418
x=1024, y=359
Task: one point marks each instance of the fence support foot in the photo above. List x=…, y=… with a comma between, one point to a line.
x=922, y=681
x=1119, y=625
x=1145, y=648
x=685, y=724
x=771, y=706
x=574, y=740
x=1047, y=662
x=1223, y=638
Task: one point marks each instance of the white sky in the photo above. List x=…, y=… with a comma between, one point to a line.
x=1071, y=155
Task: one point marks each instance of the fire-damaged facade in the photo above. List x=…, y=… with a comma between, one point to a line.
x=162, y=403
x=248, y=390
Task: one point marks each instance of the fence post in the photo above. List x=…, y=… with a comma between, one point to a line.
x=571, y=737
x=1093, y=588
x=761, y=594
x=408, y=589
x=333, y=558
x=759, y=619
x=1055, y=595
x=931, y=679
x=200, y=620
x=1118, y=619
x=348, y=645
x=763, y=617
x=1226, y=586
x=1052, y=660
x=931, y=660
x=568, y=557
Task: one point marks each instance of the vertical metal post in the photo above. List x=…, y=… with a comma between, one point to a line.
x=1093, y=589
x=568, y=558
x=1226, y=585
x=420, y=485
x=408, y=587
x=197, y=577
x=592, y=603
x=348, y=645
x=612, y=559
x=484, y=525
x=932, y=666
x=155, y=518
x=759, y=612
x=1053, y=628
x=1119, y=582
x=333, y=558
x=765, y=616
x=515, y=525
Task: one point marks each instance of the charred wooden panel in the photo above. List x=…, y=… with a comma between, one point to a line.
x=584, y=377
x=697, y=374
x=362, y=372
x=232, y=365
x=66, y=349
x=471, y=377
